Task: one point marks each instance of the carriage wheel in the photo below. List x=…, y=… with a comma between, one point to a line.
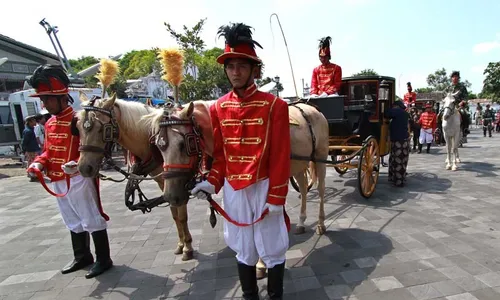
x=368, y=167
x=295, y=184
x=340, y=170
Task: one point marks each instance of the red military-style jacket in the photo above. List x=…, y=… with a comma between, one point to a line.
x=428, y=120
x=61, y=145
x=326, y=78
x=251, y=142
x=409, y=98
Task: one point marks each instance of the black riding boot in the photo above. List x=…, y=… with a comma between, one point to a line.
x=420, y=148
x=275, y=281
x=103, y=259
x=248, y=280
x=428, y=148
x=81, y=251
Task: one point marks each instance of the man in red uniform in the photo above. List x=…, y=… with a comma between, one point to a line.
x=427, y=121
x=77, y=197
x=409, y=97
x=327, y=77
x=251, y=163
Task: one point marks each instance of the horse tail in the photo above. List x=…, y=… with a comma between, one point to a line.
x=314, y=173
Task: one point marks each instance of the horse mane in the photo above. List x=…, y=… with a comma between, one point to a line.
x=130, y=114
x=152, y=120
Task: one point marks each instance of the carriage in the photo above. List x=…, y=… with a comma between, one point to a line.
x=358, y=131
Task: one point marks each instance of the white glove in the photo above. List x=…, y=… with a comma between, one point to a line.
x=70, y=167
x=334, y=94
x=34, y=165
x=201, y=187
x=324, y=94
x=274, y=209
x=313, y=96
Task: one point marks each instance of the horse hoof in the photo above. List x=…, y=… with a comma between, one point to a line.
x=320, y=229
x=300, y=230
x=261, y=273
x=454, y=168
x=188, y=255
x=178, y=250
x=458, y=160
x=448, y=167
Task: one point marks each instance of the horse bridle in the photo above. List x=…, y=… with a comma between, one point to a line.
x=111, y=130
x=192, y=146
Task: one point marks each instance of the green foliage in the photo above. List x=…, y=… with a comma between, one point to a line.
x=204, y=77
x=83, y=63
x=136, y=64
x=366, y=72
x=491, y=84
x=441, y=81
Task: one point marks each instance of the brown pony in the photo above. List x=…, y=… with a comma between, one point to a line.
x=123, y=117
x=177, y=131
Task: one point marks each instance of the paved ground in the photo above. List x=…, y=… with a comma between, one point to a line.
x=438, y=238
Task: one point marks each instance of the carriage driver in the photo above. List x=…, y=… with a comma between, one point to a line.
x=251, y=164
x=80, y=208
x=427, y=124
x=327, y=77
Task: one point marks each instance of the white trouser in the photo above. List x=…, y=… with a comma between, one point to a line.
x=425, y=136
x=267, y=239
x=79, y=208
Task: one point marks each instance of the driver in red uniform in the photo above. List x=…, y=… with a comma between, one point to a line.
x=251, y=163
x=80, y=207
x=409, y=97
x=327, y=77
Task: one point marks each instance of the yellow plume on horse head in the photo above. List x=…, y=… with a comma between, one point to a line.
x=107, y=73
x=172, y=61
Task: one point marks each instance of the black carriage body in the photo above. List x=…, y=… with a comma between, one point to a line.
x=358, y=95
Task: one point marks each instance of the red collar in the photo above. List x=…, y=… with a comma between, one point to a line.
x=252, y=89
x=66, y=112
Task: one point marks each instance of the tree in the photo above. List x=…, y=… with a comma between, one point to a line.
x=491, y=84
x=83, y=63
x=366, y=72
x=440, y=81
x=204, y=77
x=424, y=90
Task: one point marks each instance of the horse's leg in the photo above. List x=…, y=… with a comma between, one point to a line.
x=457, y=156
x=321, y=173
x=180, y=243
x=187, y=250
x=449, y=149
x=301, y=179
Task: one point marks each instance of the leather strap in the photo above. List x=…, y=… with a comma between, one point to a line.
x=39, y=175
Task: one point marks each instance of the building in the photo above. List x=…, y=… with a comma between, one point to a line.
x=22, y=60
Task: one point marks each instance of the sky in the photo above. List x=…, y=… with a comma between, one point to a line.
x=403, y=39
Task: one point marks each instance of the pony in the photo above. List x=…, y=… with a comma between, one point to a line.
x=183, y=134
x=451, y=130
x=108, y=120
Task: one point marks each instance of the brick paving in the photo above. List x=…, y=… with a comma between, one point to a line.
x=437, y=238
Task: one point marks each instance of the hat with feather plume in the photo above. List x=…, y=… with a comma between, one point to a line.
x=239, y=43
x=324, y=46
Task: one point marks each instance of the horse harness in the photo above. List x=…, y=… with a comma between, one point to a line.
x=111, y=134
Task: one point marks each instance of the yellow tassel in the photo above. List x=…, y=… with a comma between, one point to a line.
x=172, y=61
x=107, y=72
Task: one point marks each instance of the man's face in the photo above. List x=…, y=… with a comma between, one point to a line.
x=323, y=59
x=239, y=72
x=410, y=89
x=454, y=80
x=51, y=103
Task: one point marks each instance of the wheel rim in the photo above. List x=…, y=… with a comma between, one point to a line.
x=370, y=163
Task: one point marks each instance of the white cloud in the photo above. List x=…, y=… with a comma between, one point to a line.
x=485, y=47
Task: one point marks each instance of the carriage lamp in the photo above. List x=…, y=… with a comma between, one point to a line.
x=383, y=94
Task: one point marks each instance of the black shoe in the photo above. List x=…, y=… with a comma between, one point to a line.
x=81, y=251
x=103, y=259
x=248, y=281
x=275, y=281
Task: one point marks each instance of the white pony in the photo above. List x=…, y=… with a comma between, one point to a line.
x=451, y=130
